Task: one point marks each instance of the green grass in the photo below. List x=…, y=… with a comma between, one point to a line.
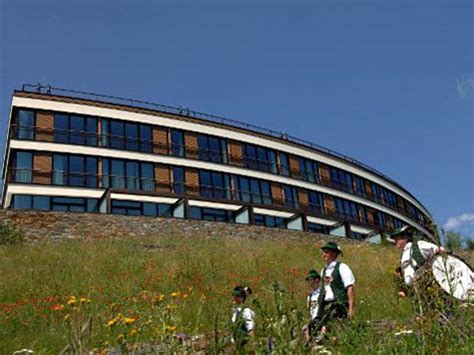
x=183, y=285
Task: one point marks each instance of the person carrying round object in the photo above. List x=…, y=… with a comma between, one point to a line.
x=429, y=265
x=314, y=282
x=414, y=255
x=337, y=299
x=243, y=317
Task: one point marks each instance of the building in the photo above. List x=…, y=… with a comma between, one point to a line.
x=80, y=152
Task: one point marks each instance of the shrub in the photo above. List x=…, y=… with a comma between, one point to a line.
x=10, y=236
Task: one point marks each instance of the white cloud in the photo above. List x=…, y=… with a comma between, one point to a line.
x=458, y=221
x=465, y=86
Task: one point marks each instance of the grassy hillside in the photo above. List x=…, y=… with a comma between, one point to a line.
x=139, y=291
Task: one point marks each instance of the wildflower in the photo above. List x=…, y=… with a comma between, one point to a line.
x=84, y=300
x=120, y=337
x=129, y=320
x=185, y=295
x=203, y=297
x=112, y=322
x=132, y=332
x=175, y=294
x=57, y=307
x=72, y=301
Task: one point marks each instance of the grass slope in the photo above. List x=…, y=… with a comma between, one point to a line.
x=146, y=290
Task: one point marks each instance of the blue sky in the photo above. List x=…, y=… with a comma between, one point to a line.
x=388, y=83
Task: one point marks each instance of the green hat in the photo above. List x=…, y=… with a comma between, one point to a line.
x=404, y=231
x=332, y=246
x=241, y=291
x=312, y=275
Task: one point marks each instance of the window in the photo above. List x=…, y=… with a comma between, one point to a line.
x=136, y=208
x=291, y=197
x=284, y=164
x=177, y=143
x=211, y=214
x=214, y=185
x=341, y=179
x=269, y=221
x=74, y=204
x=308, y=170
x=75, y=130
x=376, y=192
x=126, y=174
x=25, y=124
x=212, y=149
x=129, y=208
x=74, y=170
x=389, y=198
x=346, y=209
x=22, y=202
x=259, y=158
x=23, y=163
x=178, y=180
x=360, y=186
x=397, y=223
x=379, y=219
x=146, y=139
x=317, y=228
x=315, y=202
x=252, y=190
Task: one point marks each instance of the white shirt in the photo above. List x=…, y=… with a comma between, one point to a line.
x=347, y=278
x=247, y=315
x=313, y=302
x=409, y=264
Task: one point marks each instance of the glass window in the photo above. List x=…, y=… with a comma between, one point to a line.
x=133, y=177
x=91, y=172
x=195, y=213
x=91, y=131
x=146, y=140
x=131, y=134
x=117, y=132
x=61, y=128
x=308, y=170
x=26, y=124
x=22, y=202
x=284, y=164
x=316, y=204
x=105, y=173
x=41, y=203
x=262, y=159
x=376, y=192
x=164, y=210
x=117, y=174
x=266, y=193
x=255, y=191
x=272, y=161
x=23, y=166
x=147, y=177
x=177, y=143
x=360, y=186
x=76, y=170
x=130, y=208
x=317, y=228
x=291, y=196
x=60, y=169
x=214, y=185
x=178, y=180
x=346, y=209
x=71, y=204
x=149, y=209
x=250, y=156
x=92, y=205
x=341, y=179
x=76, y=127
x=212, y=149
x=105, y=132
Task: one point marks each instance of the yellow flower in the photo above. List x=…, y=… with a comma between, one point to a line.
x=128, y=320
x=175, y=294
x=132, y=332
x=84, y=300
x=185, y=295
x=72, y=301
x=112, y=322
x=120, y=337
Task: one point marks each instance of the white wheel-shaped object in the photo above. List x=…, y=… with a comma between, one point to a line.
x=454, y=276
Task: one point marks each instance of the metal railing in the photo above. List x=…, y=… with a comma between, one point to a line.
x=186, y=112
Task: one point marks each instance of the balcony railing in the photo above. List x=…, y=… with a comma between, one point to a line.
x=149, y=146
x=124, y=183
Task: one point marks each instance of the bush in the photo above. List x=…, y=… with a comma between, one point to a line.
x=10, y=236
x=469, y=243
x=453, y=241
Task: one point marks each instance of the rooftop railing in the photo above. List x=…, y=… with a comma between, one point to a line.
x=187, y=112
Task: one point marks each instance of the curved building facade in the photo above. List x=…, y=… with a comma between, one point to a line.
x=79, y=152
